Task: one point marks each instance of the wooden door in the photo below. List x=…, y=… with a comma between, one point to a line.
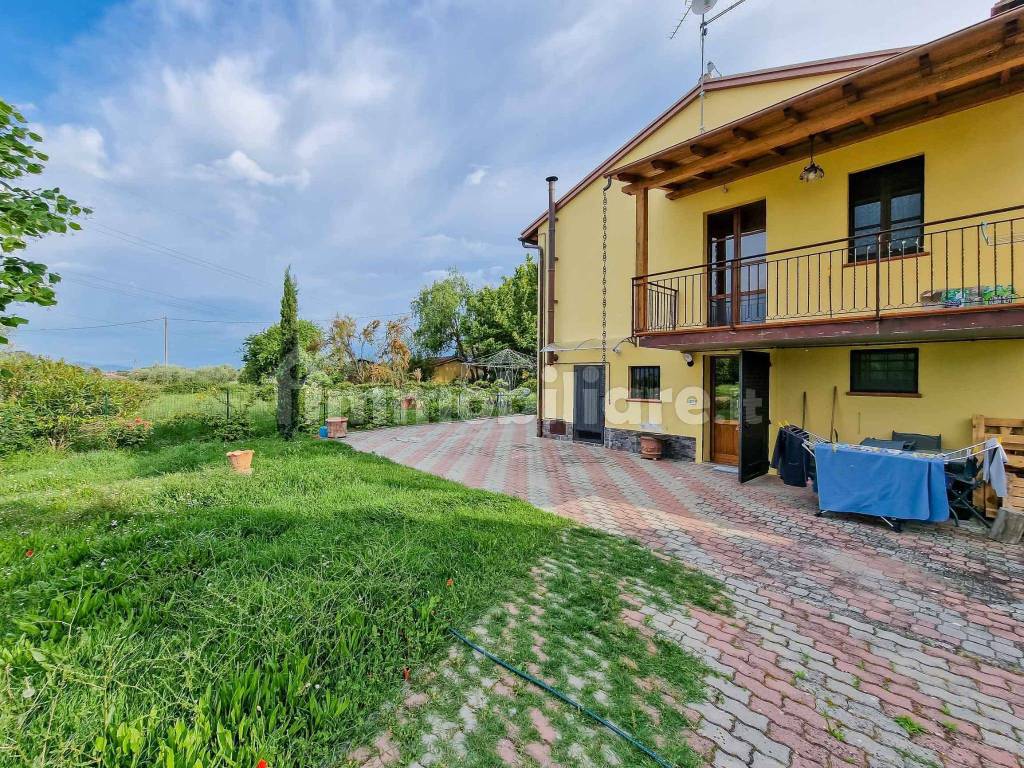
x=725, y=407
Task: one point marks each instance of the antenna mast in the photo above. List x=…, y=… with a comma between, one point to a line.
x=702, y=7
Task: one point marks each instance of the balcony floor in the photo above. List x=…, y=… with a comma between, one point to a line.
x=1005, y=322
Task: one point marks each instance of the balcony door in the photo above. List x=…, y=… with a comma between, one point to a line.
x=737, y=283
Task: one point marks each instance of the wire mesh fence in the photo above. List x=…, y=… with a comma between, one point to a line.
x=365, y=407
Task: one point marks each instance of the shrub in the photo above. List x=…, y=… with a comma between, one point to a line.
x=215, y=425
x=112, y=432
x=55, y=398
x=15, y=429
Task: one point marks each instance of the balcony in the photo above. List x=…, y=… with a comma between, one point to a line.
x=951, y=279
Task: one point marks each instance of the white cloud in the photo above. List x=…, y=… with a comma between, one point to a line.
x=75, y=147
x=224, y=101
x=240, y=166
x=475, y=177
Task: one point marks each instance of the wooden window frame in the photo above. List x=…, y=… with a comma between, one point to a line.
x=886, y=195
x=856, y=355
x=645, y=395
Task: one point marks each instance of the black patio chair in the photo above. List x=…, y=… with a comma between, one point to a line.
x=920, y=442
x=963, y=478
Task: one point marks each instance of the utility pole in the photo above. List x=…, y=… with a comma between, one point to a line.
x=165, y=340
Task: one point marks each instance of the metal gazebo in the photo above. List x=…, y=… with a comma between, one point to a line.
x=507, y=364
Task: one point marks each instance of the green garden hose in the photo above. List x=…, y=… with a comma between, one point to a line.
x=563, y=698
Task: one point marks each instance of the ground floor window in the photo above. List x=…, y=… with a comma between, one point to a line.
x=885, y=371
x=645, y=382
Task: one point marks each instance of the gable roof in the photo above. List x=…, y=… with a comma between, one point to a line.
x=837, y=65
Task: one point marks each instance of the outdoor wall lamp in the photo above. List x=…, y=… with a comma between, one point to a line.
x=813, y=171
x=688, y=358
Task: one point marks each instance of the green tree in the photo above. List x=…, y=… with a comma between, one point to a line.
x=440, y=313
x=261, y=352
x=26, y=214
x=290, y=373
x=505, y=316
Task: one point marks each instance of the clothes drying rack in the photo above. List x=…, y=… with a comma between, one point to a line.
x=812, y=440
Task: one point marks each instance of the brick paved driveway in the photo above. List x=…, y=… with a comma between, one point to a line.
x=842, y=628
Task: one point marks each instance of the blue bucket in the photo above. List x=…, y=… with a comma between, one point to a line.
x=323, y=433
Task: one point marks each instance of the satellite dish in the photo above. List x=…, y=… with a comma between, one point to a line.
x=702, y=6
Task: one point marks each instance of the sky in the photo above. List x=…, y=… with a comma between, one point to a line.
x=371, y=145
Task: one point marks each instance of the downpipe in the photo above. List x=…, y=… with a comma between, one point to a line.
x=540, y=331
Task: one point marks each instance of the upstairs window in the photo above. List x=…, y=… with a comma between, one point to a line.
x=645, y=382
x=887, y=210
x=884, y=371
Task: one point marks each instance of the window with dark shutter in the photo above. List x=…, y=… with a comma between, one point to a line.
x=884, y=371
x=887, y=210
x=645, y=382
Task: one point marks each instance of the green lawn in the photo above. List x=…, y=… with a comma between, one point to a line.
x=156, y=609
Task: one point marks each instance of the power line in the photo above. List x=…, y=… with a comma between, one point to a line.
x=105, y=284
x=91, y=327
x=174, y=253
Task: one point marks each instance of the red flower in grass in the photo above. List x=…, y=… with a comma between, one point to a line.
x=261, y=764
x=29, y=552
x=449, y=583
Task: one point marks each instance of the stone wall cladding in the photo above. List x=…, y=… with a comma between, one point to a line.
x=676, y=446
x=547, y=424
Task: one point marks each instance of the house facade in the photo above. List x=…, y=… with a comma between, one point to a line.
x=841, y=248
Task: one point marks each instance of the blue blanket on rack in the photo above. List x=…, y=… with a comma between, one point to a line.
x=902, y=486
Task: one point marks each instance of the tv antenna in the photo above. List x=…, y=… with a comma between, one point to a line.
x=707, y=69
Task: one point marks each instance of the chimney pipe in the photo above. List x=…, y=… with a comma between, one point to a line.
x=1006, y=5
x=550, y=259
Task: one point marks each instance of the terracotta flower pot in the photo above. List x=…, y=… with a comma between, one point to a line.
x=651, y=447
x=241, y=461
x=337, y=427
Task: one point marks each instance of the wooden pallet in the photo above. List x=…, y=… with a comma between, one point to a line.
x=1010, y=433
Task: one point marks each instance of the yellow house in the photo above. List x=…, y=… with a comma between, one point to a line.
x=842, y=248
x=445, y=370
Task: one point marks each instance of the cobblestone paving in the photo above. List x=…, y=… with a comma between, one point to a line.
x=850, y=644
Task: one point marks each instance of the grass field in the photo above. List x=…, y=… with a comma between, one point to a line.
x=156, y=609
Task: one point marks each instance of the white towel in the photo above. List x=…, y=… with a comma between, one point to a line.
x=995, y=466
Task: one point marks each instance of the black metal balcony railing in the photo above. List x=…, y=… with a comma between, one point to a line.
x=974, y=260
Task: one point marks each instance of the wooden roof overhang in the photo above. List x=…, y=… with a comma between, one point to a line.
x=970, y=67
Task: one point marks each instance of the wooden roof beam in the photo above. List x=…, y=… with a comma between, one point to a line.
x=924, y=65
x=949, y=104
x=664, y=165
x=742, y=134
x=700, y=150
x=851, y=93
x=895, y=94
x=1011, y=30
x=792, y=116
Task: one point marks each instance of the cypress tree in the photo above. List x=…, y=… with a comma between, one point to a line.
x=289, y=373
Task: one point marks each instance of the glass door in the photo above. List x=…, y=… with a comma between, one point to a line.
x=737, y=283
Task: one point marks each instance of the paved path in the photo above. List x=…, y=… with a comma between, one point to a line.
x=845, y=635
